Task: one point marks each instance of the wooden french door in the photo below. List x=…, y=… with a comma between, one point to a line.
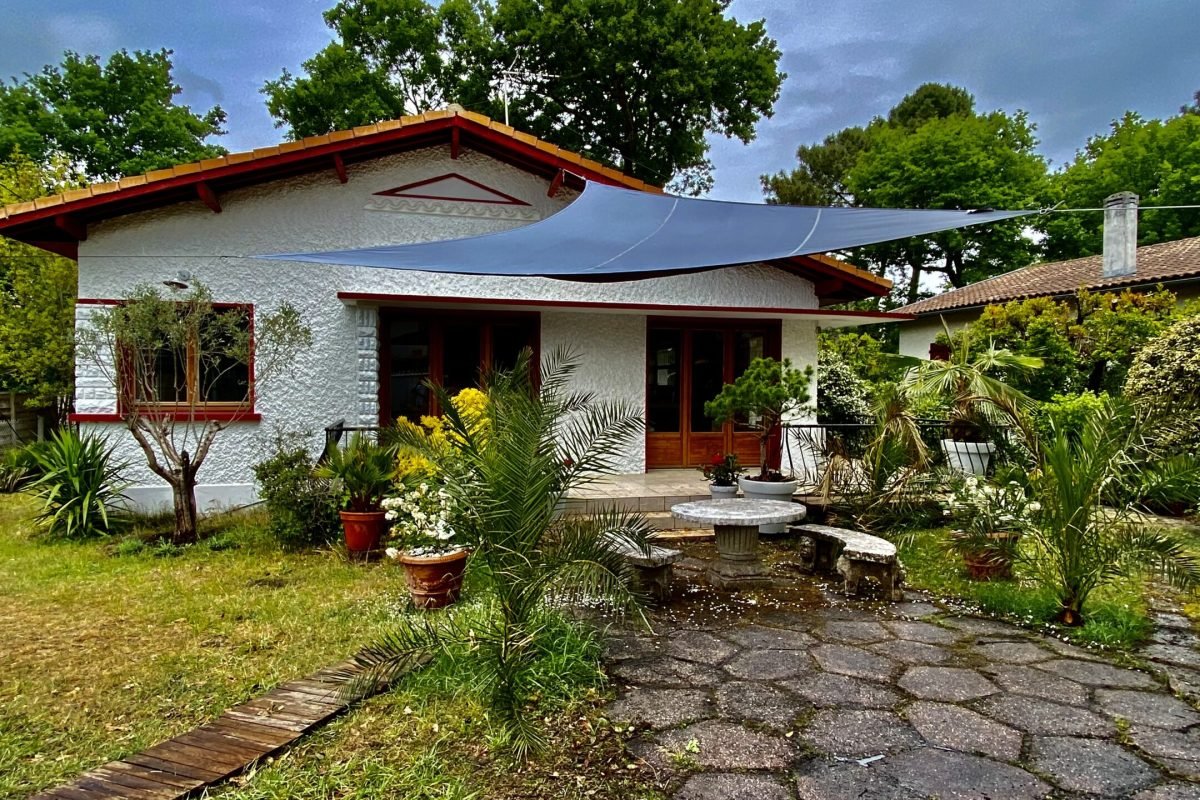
x=687, y=363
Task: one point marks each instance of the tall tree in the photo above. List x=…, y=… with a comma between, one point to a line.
x=109, y=120
x=37, y=298
x=1157, y=159
x=932, y=150
x=636, y=83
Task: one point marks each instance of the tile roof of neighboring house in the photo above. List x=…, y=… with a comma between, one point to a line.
x=59, y=222
x=1156, y=263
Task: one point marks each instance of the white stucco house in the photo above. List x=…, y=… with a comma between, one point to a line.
x=664, y=343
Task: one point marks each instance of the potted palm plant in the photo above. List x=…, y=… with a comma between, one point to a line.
x=722, y=474
x=363, y=471
x=431, y=553
x=993, y=517
x=977, y=398
x=763, y=396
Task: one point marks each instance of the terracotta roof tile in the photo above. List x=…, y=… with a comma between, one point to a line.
x=1156, y=263
x=53, y=200
x=157, y=175
x=186, y=169
x=79, y=194
x=132, y=180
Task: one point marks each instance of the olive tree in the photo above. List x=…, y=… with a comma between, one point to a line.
x=185, y=369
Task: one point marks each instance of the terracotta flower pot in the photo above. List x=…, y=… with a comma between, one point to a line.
x=989, y=564
x=434, y=581
x=363, y=530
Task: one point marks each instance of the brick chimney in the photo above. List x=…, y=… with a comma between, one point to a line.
x=1120, y=234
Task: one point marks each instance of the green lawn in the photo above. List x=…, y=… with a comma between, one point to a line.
x=1117, y=615
x=106, y=654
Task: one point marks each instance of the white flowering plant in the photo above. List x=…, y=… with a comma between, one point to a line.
x=982, y=508
x=422, y=518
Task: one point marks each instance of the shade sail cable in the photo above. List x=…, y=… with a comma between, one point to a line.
x=610, y=233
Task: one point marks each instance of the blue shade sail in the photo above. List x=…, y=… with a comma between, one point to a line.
x=610, y=233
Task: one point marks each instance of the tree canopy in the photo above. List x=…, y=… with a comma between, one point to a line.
x=108, y=120
x=933, y=150
x=1159, y=159
x=37, y=297
x=636, y=83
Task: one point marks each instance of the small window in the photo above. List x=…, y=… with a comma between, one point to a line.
x=210, y=370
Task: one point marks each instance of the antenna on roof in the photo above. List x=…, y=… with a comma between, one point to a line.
x=513, y=77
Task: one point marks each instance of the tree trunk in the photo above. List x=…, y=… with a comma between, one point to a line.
x=184, y=495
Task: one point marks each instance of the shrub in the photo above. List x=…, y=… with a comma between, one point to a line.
x=1066, y=413
x=1088, y=344
x=842, y=396
x=79, y=484
x=18, y=468
x=1165, y=376
x=302, y=506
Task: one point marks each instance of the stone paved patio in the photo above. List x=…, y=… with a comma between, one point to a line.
x=795, y=693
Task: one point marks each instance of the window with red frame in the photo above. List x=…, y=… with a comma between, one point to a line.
x=210, y=370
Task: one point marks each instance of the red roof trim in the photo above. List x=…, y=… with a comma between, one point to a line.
x=181, y=188
x=372, y=297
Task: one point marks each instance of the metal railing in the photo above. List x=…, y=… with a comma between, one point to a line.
x=811, y=449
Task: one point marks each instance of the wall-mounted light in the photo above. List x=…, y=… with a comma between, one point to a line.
x=180, y=282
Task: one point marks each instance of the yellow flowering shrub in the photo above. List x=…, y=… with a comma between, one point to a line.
x=471, y=404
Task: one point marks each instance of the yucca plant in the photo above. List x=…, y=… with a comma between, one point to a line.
x=1088, y=533
x=80, y=485
x=510, y=479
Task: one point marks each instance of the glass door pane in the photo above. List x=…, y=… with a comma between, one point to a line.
x=461, y=354
x=663, y=356
x=408, y=346
x=708, y=376
x=509, y=338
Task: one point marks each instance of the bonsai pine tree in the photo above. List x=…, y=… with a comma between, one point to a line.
x=766, y=394
x=185, y=370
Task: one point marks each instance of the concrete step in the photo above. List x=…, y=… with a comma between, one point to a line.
x=645, y=503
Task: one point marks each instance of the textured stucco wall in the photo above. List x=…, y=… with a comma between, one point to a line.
x=799, y=343
x=611, y=351
x=337, y=378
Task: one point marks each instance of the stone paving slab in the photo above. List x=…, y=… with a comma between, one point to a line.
x=957, y=728
x=859, y=700
x=1091, y=766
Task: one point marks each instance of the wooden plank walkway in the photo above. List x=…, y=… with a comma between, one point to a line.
x=219, y=750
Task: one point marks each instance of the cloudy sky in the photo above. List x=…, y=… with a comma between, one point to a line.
x=1074, y=65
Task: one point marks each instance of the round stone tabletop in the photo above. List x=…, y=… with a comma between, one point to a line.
x=739, y=512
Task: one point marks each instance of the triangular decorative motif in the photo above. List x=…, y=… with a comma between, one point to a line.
x=454, y=188
x=453, y=195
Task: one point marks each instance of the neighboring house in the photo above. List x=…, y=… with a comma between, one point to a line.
x=1172, y=265
x=665, y=344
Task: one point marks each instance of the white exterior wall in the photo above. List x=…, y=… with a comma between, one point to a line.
x=338, y=377
x=799, y=343
x=916, y=336
x=612, y=362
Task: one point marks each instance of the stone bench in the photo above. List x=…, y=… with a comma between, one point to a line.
x=853, y=555
x=652, y=571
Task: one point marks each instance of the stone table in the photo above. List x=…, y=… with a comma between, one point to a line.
x=736, y=525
